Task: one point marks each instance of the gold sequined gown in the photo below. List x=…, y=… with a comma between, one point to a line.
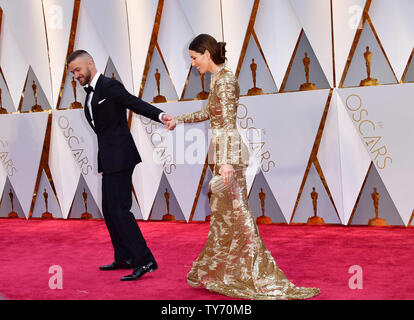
x=235, y=261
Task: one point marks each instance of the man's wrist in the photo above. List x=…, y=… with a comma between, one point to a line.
x=160, y=116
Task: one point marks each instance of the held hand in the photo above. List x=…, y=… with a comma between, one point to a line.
x=166, y=118
x=168, y=121
x=171, y=124
x=227, y=172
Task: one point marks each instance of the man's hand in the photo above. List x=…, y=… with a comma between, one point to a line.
x=171, y=124
x=166, y=118
x=168, y=121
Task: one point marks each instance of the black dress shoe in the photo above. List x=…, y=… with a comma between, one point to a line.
x=123, y=264
x=140, y=271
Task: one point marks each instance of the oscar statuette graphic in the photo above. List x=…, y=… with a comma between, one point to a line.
x=12, y=213
x=203, y=94
x=315, y=220
x=368, y=81
x=254, y=91
x=208, y=217
x=307, y=85
x=75, y=104
x=168, y=216
x=86, y=214
x=159, y=98
x=46, y=214
x=2, y=110
x=376, y=222
x=36, y=107
x=263, y=219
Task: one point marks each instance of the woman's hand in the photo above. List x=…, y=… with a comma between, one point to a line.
x=227, y=172
x=170, y=125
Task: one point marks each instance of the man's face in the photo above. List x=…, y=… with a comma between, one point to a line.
x=81, y=70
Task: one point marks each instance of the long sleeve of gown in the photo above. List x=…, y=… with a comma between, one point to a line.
x=196, y=116
x=229, y=147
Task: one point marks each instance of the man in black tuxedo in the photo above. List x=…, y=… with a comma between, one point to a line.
x=105, y=109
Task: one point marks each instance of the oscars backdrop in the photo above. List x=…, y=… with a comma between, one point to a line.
x=326, y=106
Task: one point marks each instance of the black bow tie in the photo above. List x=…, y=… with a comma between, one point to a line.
x=88, y=89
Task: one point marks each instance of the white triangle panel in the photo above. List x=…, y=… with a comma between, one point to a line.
x=46, y=201
x=9, y=197
x=111, y=22
x=182, y=152
x=324, y=207
x=174, y=37
x=409, y=76
x=347, y=16
x=284, y=152
x=195, y=84
x=64, y=168
x=141, y=18
x=380, y=69
x=329, y=154
x=147, y=174
x=22, y=137
x=236, y=18
x=3, y=172
x=33, y=87
x=136, y=211
x=6, y=99
x=297, y=73
x=166, y=193
x=58, y=18
x=365, y=210
x=26, y=22
x=84, y=203
x=318, y=30
x=395, y=28
x=343, y=158
x=385, y=133
x=166, y=86
x=254, y=60
x=111, y=71
x=271, y=207
x=69, y=95
x=195, y=13
x=84, y=148
x=13, y=61
x=277, y=28
x=88, y=38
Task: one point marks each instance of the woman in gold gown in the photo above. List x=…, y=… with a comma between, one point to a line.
x=235, y=261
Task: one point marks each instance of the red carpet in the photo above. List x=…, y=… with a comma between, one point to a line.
x=318, y=256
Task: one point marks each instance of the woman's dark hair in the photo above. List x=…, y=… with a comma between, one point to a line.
x=204, y=42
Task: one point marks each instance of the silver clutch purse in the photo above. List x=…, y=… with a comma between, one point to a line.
x=217, y=185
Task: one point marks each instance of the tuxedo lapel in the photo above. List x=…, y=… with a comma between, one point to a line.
x=87, y=114
x=97, y=94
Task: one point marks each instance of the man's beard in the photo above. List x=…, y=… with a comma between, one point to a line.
x=87, y=78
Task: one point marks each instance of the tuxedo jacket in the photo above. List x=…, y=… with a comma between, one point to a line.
x=110, y=101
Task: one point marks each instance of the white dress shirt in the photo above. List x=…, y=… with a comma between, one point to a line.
x=93, y=85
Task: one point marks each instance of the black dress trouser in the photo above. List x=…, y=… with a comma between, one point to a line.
x=126, y=237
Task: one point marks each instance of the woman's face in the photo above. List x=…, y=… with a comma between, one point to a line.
x=200, y=61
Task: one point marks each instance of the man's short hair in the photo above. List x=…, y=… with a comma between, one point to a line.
x=77, y=54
